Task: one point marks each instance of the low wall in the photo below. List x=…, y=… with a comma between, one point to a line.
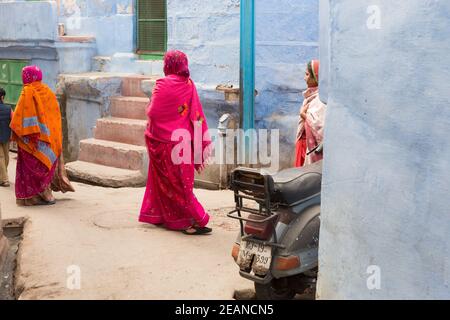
x=84, y=98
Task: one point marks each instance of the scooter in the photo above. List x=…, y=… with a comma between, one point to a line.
x=279, y=215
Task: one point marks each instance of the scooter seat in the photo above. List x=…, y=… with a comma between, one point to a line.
x=293, y=185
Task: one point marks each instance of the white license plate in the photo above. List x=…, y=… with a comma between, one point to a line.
x=260, y=254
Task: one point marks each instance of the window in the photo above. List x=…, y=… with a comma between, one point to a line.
x=151, y=27
x=11, y=79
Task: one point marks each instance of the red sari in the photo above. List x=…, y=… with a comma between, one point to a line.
x=169, y=198
x=32, y=176
x=300, y=151
x=301, y=148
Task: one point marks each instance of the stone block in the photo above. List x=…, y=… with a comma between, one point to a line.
x=105, y=176
x=114, y=154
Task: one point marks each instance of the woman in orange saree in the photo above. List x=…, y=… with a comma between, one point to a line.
x=37, y=129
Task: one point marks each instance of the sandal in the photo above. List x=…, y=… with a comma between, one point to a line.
x=34, y=202
x=45, y=203
x=198, y=231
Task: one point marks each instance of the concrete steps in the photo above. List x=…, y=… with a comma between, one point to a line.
x=129, y=107
x=131, y=86
x=117, y=156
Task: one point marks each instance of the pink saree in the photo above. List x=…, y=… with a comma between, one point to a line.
x=32, y=176
x=176, y=147
x=314, y=129
x=301, y=149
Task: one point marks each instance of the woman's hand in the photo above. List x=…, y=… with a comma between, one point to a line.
x=303, y=113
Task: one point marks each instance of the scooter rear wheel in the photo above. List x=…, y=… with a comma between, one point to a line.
x=271, y=291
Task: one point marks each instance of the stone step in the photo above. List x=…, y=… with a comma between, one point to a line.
x=129, y=107
x=105, y=176
x=114, y=154
x=122, y=62
x=130, y=131
x=131, y=86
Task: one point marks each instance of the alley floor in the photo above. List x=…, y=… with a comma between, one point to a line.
x=95, y=231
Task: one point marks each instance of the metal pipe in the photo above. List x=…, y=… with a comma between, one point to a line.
x=247, y=68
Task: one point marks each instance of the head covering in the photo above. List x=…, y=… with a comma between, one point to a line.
x=176, y=62
x=31, y=74
x=313, y=68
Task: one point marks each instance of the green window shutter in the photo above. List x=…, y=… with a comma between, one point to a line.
x=152, y=26
x=11, y=79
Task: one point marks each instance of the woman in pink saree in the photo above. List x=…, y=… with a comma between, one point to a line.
x=174, y=136
x=311, y=120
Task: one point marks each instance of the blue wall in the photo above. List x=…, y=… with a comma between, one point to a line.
x=24, y=37
x=112, y=22
x=208, y=31
x=387, y=152
x=287, y=34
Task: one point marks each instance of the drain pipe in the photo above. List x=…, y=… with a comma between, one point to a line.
x=224, y=123
x=247, y=69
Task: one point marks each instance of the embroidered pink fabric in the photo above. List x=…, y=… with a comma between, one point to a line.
x=169, y=198
x=31, y=74
x=32, y=176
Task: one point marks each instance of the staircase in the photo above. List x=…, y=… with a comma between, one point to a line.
x=116, y=156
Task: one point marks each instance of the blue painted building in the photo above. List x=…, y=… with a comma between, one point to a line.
x=385, y=196
x=128, y=36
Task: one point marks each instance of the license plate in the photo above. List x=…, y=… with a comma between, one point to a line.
x=260, y=254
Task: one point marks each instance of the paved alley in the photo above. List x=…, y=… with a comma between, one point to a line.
x=95, y=231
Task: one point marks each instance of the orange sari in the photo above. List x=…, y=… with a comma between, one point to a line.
x=36, y=123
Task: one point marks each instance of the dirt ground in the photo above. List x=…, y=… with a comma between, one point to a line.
x=91, y=246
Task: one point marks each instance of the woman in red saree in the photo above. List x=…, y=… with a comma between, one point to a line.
x=37, y=129
x=175, y=108
x=311, y=120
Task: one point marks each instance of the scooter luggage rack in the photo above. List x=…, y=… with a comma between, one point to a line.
x=258, y=192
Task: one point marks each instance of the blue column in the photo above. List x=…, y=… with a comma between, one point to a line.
x=247, y=66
